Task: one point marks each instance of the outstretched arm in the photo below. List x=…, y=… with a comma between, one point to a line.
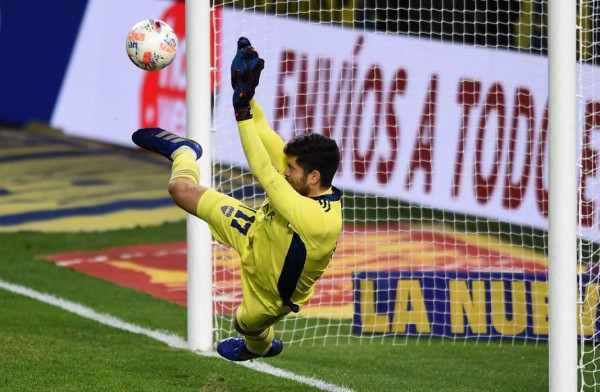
x=263, y=147
x=307, y=217
x=258, y=158
x=269, y=138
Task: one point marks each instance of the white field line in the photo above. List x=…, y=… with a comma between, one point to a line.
x=167, y=338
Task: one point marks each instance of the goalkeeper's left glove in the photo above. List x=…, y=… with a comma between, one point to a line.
x=245, y=76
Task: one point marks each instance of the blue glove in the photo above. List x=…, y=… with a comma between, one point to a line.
x=245, y=76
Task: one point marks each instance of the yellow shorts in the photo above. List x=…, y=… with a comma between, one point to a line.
x=229, y=221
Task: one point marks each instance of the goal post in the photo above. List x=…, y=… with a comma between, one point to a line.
x=199, y=128
x=562, y=219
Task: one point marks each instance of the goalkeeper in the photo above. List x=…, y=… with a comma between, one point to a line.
x=285, y=245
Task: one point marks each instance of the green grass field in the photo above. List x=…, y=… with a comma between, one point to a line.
x=45, y=348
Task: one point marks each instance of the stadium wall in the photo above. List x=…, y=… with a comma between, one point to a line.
x=38, y=39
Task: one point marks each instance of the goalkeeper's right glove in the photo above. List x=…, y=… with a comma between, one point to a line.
x=245, y=76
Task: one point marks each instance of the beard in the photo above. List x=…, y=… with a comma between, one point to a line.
x=300, y=186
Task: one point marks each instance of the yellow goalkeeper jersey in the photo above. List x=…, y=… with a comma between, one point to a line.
x=294, y=236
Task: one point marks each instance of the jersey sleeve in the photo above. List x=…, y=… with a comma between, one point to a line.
x=306, y=216
x=273, y=143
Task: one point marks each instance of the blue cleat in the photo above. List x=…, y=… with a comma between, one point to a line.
x=235, y=349
x=163, y=142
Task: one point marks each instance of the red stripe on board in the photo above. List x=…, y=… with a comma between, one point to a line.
x=160, y=269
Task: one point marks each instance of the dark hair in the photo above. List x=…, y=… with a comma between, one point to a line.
x=314, y=151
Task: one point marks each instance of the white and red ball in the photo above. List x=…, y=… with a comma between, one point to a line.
x=151, y=44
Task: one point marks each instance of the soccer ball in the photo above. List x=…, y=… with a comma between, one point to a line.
x=151, y=44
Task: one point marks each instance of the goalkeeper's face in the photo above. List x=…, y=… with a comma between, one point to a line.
x=296, y=177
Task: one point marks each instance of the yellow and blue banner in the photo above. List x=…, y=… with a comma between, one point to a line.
x=460, y=304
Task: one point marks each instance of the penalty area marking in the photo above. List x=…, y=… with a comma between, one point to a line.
x=169, y=339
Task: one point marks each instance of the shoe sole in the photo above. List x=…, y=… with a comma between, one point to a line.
x=163, y=142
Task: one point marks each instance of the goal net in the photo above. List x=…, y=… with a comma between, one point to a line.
x=440, y=110
x=588, y=111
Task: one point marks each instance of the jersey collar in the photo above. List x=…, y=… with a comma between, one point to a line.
x=335, y=196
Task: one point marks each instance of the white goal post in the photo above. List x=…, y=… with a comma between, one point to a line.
x=199, y=127
x=562, y=230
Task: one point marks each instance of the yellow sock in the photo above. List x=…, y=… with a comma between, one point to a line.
x=185, y=166
x=262, y=343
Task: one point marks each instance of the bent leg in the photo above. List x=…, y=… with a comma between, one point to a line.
x=184, y=185
x=258, y=342
x=255, y=323
x=228, y=218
